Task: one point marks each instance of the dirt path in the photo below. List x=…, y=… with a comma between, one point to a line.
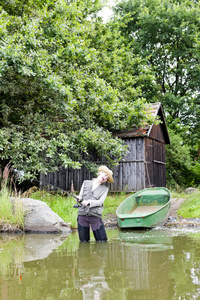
x=175, y=204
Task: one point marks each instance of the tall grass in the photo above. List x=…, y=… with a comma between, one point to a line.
x=11, y=211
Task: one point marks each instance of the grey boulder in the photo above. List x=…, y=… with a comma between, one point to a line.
x=39, y=218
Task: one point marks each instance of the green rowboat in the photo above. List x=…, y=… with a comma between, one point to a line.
x=147, y=208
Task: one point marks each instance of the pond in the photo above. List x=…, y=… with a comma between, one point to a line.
x=149, y=264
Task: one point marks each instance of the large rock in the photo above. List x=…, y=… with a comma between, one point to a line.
x=191, y=190
x=39, y=218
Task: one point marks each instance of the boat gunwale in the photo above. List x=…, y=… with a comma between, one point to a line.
x=131, y=215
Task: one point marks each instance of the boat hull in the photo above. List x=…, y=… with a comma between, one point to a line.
x=147, y=208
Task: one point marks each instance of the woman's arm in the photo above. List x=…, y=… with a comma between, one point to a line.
x=81, y=192
x=99, y=202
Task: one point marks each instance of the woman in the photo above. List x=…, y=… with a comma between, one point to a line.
x=92, y=196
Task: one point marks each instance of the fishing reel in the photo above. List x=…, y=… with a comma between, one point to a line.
x=77, y=205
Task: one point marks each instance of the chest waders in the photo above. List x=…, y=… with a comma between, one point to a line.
x=97, y=225
x=91, y=216
x=100, y=233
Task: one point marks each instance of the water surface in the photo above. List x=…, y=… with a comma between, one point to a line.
x=154, y=264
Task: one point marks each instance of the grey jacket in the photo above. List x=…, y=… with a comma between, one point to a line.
x=96, y=199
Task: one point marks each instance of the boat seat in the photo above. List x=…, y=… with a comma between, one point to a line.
x=144, y=210
x=149, y=199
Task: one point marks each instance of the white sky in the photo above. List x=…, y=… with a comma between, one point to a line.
x=106, y=12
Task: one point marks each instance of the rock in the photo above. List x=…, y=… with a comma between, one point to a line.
x=190, y=190
x=39, y=218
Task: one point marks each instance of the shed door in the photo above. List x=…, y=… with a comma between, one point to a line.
x=155, y=166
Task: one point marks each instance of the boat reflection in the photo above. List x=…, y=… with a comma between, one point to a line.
x=155, y=240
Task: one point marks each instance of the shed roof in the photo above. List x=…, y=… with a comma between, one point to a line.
x=158, y=132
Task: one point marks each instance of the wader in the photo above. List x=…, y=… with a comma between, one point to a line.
x=97, y=225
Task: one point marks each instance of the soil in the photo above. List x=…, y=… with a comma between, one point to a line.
x=9, y=228
x=175, y=204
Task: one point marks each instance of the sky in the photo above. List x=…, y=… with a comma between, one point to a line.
x=106, y=12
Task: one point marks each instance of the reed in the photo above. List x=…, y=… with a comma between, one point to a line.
x=11, y=210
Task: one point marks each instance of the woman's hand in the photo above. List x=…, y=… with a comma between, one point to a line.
x=79, y=198
x=85, y=203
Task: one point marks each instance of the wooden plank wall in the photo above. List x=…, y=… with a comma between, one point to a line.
x=64, y=178
x=155, y=163
x=159, y=164
x=149, y=162
x=129, y=175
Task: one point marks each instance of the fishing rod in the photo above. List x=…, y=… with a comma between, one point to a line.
x=77, y=199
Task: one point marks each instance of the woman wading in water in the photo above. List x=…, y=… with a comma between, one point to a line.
x=92, y=196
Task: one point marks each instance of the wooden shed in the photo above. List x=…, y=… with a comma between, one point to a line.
x=144, y=166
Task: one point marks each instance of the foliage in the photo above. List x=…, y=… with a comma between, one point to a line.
x=181, y=170
x=66, y=84
x=166, y=32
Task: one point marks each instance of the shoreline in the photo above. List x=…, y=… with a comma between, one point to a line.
x=110, y=220
x=174, y=221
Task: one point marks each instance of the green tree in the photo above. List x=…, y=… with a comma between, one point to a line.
x=57, y=98
x=179, y=165
x=167, y=33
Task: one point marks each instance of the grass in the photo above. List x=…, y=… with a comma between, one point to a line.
x=11, y=212
x=191, y=207
x=113, y=201
x=60, y=204
x=63, y=205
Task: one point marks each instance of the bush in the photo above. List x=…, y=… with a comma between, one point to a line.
x=181, y=170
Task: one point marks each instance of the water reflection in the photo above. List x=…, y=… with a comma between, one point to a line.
x=155, y=264
x=143, y=273
x=91, y=270
x=39, y=246
x=153, y=240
